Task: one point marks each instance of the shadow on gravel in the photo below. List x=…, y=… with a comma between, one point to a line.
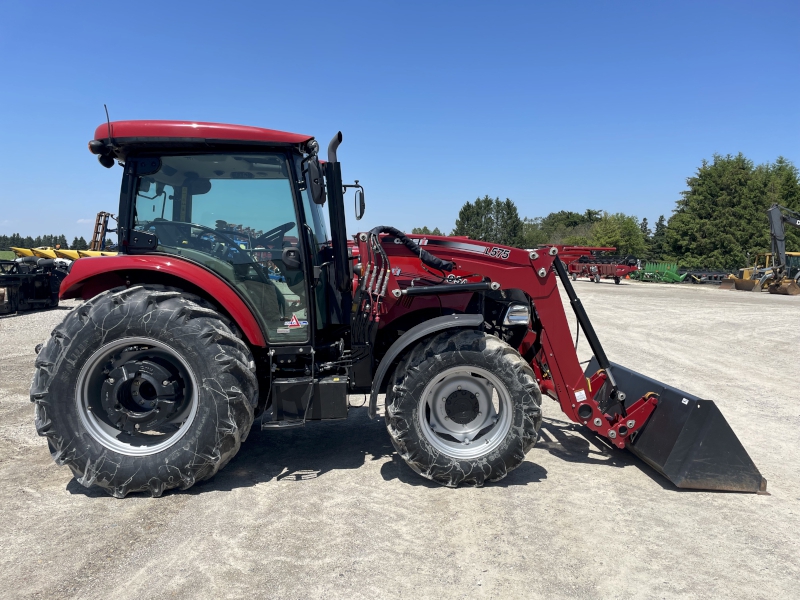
x=524, y=474
x=577, y=444
x=22, y=313
x=313, y=451
x=303, y=453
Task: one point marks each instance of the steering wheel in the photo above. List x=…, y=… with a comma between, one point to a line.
x=280, y=230
x=165, y=225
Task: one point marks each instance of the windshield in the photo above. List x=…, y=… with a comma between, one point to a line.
x=234, y=213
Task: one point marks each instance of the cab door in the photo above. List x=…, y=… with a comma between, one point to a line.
x=236, y=214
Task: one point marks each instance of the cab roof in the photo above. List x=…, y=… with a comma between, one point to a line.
x=163, y=131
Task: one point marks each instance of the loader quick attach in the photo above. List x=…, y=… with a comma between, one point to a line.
x=230, y=301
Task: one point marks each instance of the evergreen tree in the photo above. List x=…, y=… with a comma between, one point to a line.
x=644, y=226
x=720, y=219
x=426, y=231
x=79, y=244
x=658, y=243
x=490, y=220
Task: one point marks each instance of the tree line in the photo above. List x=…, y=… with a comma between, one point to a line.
x=18, y=241
x=719, y=221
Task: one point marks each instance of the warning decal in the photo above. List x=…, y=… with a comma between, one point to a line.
x=295, y=322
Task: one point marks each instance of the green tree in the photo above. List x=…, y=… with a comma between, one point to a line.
x=490, y=220
x=620, y=231
x=720, y=219
x=533, y=235
x=79, y=244
x=645, y=227
x=658, y=249
x=426, y=231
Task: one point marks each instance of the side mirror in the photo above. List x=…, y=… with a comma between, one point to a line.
x=198, y=187
x=291, y=258
x=313, y=180
x=360, y=204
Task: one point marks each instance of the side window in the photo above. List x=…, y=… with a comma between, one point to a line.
x=234, y=214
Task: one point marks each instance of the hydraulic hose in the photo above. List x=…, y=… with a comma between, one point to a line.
x=425, y=256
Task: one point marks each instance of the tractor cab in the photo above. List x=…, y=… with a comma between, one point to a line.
x=246, y=204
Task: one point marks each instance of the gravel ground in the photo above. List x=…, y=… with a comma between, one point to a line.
x=331, y=510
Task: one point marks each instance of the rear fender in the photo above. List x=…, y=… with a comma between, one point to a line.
x=91, y=276
x=408, y=339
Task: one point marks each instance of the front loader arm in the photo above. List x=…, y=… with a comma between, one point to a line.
x=683, y=437
x=556, y=364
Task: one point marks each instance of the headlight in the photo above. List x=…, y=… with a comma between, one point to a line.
x=517, y=314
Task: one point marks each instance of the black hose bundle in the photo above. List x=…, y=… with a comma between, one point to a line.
x=425, y=256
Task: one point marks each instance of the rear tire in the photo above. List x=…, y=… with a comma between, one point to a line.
x=597, y=278
x=179, y=408
x=439, y=394
x=616, y=280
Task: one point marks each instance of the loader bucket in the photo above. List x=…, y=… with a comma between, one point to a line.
x=686, y=439
x=726, y=284
x=787, y=287
x=746, y=285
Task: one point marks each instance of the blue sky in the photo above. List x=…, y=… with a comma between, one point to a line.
x=556, y=105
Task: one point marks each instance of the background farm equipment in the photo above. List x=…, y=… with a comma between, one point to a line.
x=29, y=283
x=779, y=270
x=205, y=329
x=603, y=267
x=99, y=245
x=666, y=272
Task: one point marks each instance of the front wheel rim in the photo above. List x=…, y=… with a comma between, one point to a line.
x=136, y=396
x=465, y=412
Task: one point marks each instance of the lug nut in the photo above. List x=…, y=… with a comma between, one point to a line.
x=165, y=382
x=110, y=381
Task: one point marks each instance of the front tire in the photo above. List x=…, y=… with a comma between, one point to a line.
x=463, y=408
x=144, y=389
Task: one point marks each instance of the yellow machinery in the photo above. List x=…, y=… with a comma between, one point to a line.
x=96, y=246
x=779, y=270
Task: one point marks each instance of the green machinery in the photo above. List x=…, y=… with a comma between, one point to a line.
x=659, y=272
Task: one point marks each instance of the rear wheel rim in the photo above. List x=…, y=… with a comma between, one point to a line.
x=136, y=396
x=465, y=412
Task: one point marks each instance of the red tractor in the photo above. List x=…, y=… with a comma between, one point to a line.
x=230, y=301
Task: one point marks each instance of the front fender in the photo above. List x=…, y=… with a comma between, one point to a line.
x=91, y=276
x=411, y=336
